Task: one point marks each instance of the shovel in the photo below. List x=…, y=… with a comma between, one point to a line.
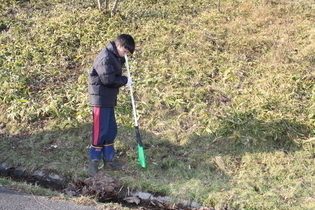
x=141, y=156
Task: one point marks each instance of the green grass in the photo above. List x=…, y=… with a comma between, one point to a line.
x=225, y=95
x=4, y=182
x=27, y=188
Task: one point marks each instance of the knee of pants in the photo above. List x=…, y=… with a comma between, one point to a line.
x=110, y=137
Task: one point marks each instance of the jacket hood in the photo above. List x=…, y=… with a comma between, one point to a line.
x=111, y=46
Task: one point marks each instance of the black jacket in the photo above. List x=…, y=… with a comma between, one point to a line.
x=105, y=77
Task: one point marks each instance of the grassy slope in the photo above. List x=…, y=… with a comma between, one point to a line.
x=225, y=95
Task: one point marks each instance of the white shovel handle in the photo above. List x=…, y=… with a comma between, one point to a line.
x=131, y=93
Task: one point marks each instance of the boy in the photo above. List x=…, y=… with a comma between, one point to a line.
x=105, y=79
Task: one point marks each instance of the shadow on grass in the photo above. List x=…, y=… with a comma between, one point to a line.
x=238, y=134
x=189, y=169
x=65, y=152
x=209, y=161
x=60, y=153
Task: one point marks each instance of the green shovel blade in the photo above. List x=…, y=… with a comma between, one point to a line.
x=141, y=156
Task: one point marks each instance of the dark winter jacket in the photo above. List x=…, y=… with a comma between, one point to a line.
x=105, y=77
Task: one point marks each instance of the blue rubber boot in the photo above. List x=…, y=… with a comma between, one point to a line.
x=95, y=156
x=109, y=155
x=109, y=152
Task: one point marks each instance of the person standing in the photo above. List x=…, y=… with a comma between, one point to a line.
x=105, y=79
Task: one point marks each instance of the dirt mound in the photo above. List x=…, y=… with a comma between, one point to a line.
x=106, y=188
x=102, y=187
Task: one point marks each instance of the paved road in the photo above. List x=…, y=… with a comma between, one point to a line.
x=12, y=200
